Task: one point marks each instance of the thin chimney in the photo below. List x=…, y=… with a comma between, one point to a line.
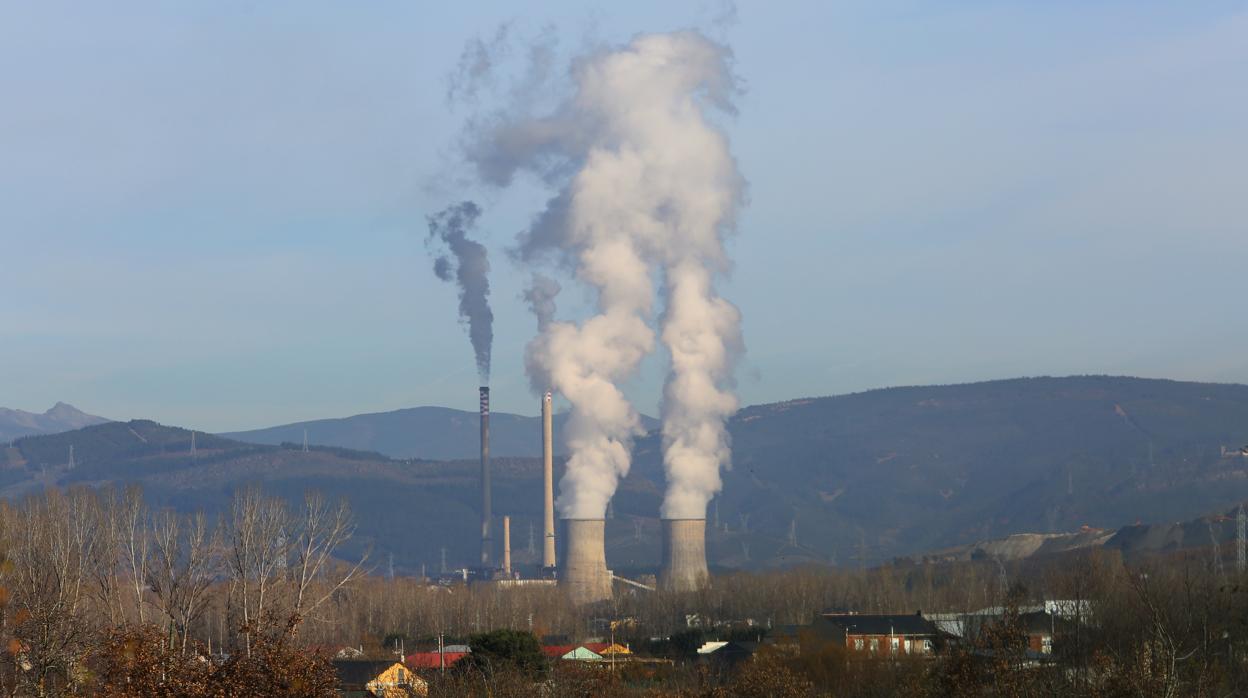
x=507, y=545
x=486, y=514
x=548, y=485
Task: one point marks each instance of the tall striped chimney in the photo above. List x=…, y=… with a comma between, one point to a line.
x=486, y=513
x=548, y=484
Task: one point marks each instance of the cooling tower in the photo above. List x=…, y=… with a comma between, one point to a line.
x=507, y=545
x=684, y=555
x=584, y=575
x=548, y=483
x=486, y=513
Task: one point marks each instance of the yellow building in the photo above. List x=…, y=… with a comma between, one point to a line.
x=365, y=678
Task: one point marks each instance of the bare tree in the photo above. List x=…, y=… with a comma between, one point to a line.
x=185, y=565
x=319, y=531
x=135, y=546
x=257, y=549
x=53, y=548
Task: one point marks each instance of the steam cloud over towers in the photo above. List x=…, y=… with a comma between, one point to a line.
x=466, y=262
x=650, y=184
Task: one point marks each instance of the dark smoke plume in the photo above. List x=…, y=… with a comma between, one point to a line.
x=467, y=263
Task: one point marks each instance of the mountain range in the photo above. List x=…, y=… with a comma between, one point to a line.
x=61, y=417
x=430, y=433
x=849, y=479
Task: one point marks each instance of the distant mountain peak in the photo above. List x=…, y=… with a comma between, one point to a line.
x=64, y=409
x=60, y=417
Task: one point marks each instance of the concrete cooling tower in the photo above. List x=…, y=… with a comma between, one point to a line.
x=583, y=573
x=684, y=555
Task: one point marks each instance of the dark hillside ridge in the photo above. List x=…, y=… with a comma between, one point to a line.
x=902, y=470
x=431, y=433
x=855, y=478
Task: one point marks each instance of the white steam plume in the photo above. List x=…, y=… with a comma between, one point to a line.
x=648, y=184
x=540, y=296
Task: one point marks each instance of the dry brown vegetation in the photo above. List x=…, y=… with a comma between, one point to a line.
x=100, y=596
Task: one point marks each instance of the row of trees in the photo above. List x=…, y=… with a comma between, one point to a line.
x=99, y=595
x=1164, y=627
x=76, y=566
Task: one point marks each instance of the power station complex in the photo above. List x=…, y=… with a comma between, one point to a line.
x=579, y=567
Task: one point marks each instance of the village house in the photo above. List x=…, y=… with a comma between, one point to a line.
x=878, y=634
x=726, y=653
x=579, y=653
x=1040, y=623
x=433, y=660
x=366, y=678
x=609, y=650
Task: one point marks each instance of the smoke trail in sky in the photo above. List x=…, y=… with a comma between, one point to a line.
x=466, y=262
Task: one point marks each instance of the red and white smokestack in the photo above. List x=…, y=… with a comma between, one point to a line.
x=486, y=513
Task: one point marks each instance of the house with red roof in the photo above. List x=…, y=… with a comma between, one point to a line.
x=433, y=660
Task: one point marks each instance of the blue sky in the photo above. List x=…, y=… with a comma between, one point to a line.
x=212, y=214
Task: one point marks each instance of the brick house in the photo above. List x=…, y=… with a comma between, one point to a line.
x=878, y=634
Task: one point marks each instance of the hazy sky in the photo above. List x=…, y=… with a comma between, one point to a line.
x=212, y=214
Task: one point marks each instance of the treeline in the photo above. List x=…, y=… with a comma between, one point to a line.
x=101, y=595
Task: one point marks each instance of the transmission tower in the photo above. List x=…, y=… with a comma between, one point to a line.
x=793, y=533
x=71, y=456
x=192, y=444
x=1217, y=552
x=443, y=560
x=1241, y=540
x=861, y=557
x=305, y=440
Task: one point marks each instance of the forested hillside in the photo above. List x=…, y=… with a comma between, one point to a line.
x=851, y=479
